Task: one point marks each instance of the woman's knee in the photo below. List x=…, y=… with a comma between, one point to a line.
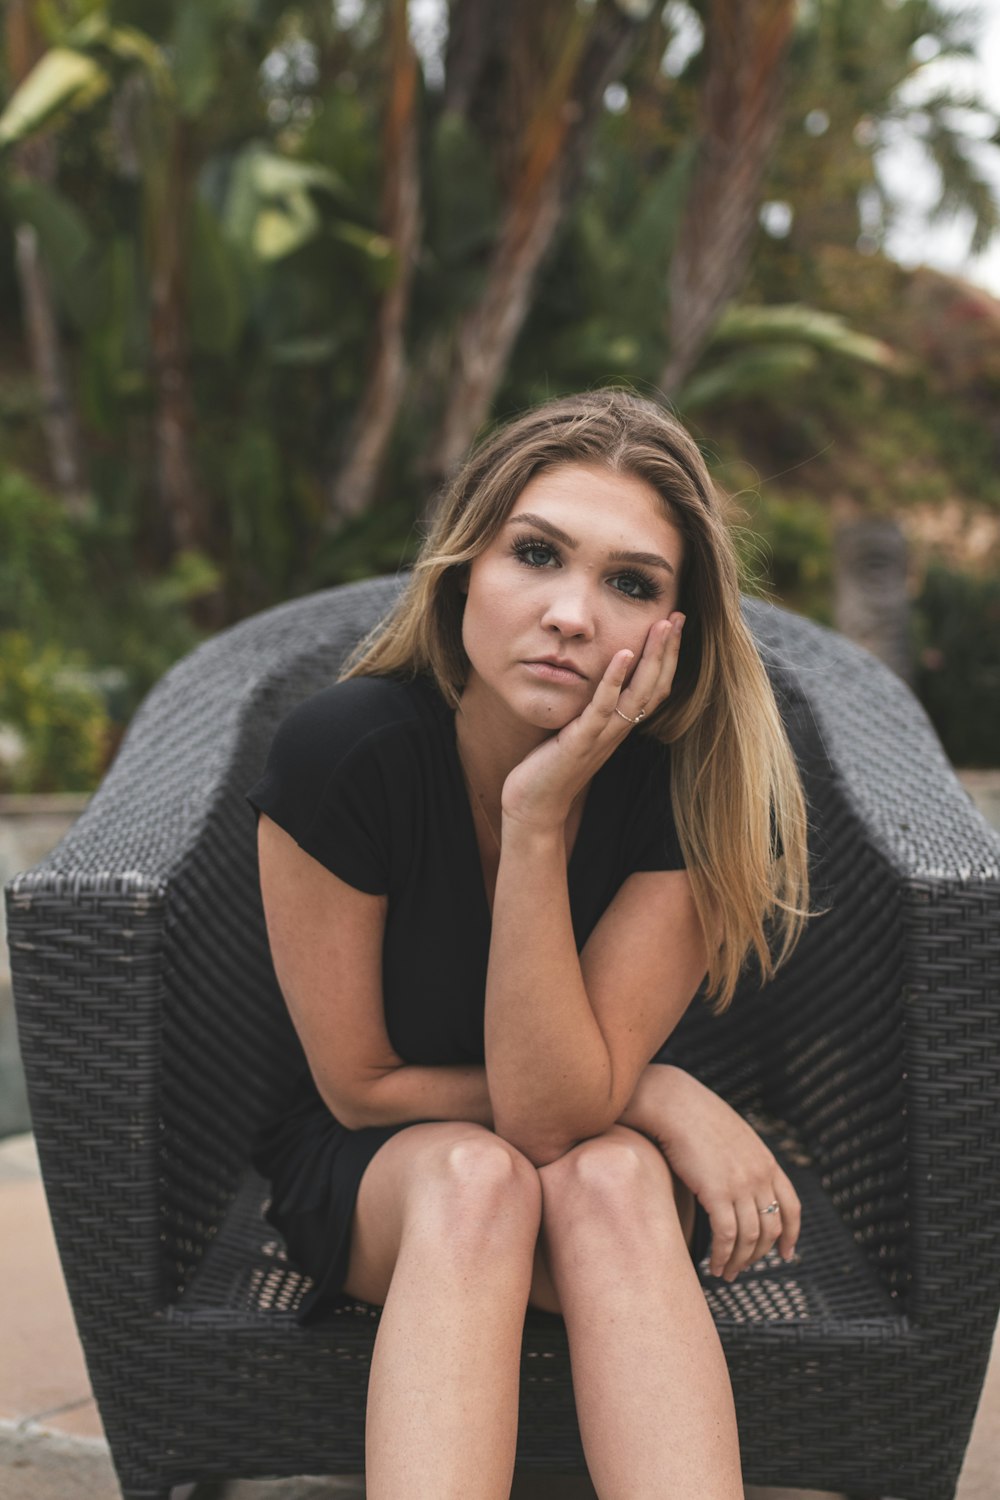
x=476, y=1183
x=618, y=1178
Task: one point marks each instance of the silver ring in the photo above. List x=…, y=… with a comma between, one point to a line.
x=772, y=1208
x=640, y=715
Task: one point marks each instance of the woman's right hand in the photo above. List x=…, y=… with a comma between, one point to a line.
x=724, y=1162
x=540, y=790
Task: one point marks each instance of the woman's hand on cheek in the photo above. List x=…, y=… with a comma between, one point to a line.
x=540, y=791
x=649, y=680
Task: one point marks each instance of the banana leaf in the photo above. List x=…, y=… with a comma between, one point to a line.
x=61, y=80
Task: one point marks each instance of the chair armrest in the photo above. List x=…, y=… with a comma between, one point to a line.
x=152, y=1030
x=886, y=1040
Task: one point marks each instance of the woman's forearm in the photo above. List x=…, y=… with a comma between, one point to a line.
x=648, y=1108
x=412, y=1092
x=547, y=1063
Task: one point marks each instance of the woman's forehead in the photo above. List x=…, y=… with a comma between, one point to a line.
x=587, y=497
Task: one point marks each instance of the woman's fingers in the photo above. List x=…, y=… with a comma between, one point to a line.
x=653, y=677
x=747, y=1234
x=742, y=1233
x=633, y=688
x=790, y=1214
x=724, y=1229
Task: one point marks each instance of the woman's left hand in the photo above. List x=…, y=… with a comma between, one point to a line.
x=723, y=1161
x=539, y=792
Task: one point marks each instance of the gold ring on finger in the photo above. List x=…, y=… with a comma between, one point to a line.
x=772, y=1208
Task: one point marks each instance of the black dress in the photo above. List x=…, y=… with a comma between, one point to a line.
x=365, y=776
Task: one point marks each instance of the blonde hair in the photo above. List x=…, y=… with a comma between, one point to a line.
x=737, y=797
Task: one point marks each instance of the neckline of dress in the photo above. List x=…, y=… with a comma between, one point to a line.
x=468, y=812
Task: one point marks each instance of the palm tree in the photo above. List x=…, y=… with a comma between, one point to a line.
x=375, y=417
x=557, y=61
x=740, y=115
x=34, y=162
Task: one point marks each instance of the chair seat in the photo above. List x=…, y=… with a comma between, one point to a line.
x=246, y=1276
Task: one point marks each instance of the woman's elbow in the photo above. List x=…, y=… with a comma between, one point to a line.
x=348, y=1108
x=540, y=1153
x=541, y=1149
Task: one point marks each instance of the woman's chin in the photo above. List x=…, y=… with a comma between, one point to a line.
x=549, y=712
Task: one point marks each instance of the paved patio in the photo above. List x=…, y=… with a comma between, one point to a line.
x=51, y=1443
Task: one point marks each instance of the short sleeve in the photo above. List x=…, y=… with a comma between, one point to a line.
x=332, y=774
x=652, y=842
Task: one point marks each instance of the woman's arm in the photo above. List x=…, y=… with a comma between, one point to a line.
x=320, y=927
x=724, y=1162
x=567, y=1036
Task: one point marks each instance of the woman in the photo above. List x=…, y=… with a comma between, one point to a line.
x=549, y=795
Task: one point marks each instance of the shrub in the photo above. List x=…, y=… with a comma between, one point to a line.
x=54, y=729
x=958, y=665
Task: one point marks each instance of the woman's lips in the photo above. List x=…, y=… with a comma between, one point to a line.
x=552, y=673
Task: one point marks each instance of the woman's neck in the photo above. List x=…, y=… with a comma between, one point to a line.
x=490, y=745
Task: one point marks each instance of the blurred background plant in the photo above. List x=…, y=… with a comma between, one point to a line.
x=268, y=268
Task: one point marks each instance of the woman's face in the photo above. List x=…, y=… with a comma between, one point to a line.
x=585, y=564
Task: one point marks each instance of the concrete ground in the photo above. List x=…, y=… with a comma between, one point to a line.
x=52, y=1446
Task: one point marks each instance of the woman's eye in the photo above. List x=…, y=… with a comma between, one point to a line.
x=636, y=586
x=534, y=554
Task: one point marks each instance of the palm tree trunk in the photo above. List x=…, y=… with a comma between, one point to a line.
x=740, y=115
x=474, y=29
x=36, y=160
x=561, y=113
x=168, y=208
x=354, y=485
x=871, y=599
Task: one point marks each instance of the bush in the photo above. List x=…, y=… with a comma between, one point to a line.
x=85, y=635
x=43, y=574
x=958, y=664
x=54, y=729
x=785, y=546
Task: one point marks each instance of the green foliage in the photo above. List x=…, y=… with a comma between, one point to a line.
x=958, y=623
x=837, y=377
x=85, y=636
x=42, y=571
x=791, y=543
x=54, y=728
x=63, y=80
x=382, y=541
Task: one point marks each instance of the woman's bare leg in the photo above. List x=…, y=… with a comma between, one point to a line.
x=444, y=1235
x=653, y=1394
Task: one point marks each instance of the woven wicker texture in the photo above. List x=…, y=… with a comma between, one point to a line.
x=154, y=1038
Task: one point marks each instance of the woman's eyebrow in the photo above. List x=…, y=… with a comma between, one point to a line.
x=651, y=559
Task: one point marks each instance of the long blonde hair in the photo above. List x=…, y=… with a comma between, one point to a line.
x=737, y=798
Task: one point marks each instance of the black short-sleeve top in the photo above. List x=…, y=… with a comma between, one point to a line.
x=365, y=776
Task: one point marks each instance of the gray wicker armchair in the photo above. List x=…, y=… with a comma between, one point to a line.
x=154, y=1037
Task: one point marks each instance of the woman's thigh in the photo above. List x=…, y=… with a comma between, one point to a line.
x=417, y=1169
x=543, y=1292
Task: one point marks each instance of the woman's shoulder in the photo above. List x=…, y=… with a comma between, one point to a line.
x=345, y=713
x=339, y=777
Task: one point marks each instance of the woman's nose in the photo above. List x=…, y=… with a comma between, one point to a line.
x=570, y=609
